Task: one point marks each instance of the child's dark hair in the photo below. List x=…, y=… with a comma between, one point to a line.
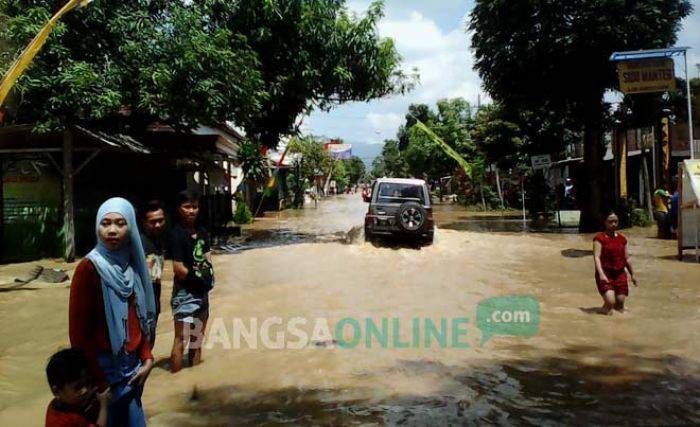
x=610, y=212
x=152, y=206
x=188, y=195
x=66, y=366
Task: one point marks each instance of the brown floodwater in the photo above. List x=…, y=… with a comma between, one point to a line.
x=641, y=367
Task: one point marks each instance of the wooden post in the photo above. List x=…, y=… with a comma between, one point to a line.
x=498, y=187
x=481, y=190
x=679, y=230
x=615, y=146
x=654, y=158
x=647, y=184
x=665, y=150
x=623, y=165
x=68, y=214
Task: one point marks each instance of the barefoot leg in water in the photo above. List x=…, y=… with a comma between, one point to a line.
x=197, y=339
x=608, y=302
x=179, y=344
x=620, y=303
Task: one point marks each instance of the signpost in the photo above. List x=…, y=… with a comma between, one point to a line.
x=651, y=70
x=541, y=162
x=647, y=75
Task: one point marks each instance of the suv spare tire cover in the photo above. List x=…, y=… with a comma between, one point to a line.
x=411, y=216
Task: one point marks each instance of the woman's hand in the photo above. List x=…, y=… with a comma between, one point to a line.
x=140, y=378
x=604, y=278
x=634, y=280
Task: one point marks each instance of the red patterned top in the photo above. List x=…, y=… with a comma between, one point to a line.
x=612, y=255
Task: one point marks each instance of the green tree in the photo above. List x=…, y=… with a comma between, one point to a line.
x=355, y=168
x=420, y=112
x=313, y=54
x=391, y=163
x=129, y=63
x=496, y=137
x=378, y=168
x=309, y=161
x=340, y=175
x=451, y=122
x=255, y=168
x=552, y=56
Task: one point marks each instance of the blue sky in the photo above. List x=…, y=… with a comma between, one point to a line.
x=430, y=36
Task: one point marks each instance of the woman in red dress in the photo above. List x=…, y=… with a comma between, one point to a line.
x=611, y=258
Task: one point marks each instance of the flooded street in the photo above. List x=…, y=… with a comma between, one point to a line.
x=641, y=367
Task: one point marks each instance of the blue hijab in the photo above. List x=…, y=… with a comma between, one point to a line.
x=123, y=272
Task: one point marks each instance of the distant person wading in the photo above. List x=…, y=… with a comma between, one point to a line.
x=611, y=259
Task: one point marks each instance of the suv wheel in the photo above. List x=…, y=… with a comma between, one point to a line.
x=411, y=217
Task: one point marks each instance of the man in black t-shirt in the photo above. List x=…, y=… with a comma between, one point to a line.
x=193, y=279
x=191, y=248
x=153, y=238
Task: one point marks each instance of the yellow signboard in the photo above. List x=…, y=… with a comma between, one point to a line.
x=647, y=75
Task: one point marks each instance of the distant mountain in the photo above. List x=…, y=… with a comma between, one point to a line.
x=367, y=152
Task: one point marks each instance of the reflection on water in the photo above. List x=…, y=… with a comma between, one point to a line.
x=642, y=367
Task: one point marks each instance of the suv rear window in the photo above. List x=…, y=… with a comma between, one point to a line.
x=399, y=193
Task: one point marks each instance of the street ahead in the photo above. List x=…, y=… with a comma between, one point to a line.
x=274, y=356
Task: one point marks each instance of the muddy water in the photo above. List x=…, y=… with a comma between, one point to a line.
x=642, y=367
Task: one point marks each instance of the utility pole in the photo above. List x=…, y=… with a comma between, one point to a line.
x=68, y=215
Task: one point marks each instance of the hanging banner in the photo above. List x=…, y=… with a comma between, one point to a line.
x=647, y=75
x=339, y=151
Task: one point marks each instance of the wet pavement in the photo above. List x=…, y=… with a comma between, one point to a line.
x=641, y=367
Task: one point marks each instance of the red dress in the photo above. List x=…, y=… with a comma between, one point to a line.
x=87, y=324
x=613, y=261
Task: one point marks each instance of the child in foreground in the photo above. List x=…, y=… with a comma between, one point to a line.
x=75, y=403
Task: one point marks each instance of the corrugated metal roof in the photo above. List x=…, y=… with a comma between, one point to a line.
x=117, y=140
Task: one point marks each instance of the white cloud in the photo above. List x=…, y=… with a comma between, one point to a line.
x=442, y=59
x=415, y=36
x=385, y=122
x=431, y=36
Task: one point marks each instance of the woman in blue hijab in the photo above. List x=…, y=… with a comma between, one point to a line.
x=112, y=311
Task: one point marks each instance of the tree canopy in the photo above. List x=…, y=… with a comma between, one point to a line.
x=391, y=162
x=258, y=63
x=355, y=169
x=313, y=54
x=552, y=57
x=142, y=60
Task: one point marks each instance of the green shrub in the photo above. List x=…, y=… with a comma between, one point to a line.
x=640, y=218
x=243, y=214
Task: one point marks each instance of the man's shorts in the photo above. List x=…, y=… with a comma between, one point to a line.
x=188, y=305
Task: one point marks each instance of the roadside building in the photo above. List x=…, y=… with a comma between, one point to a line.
x=52, y=184
x=662, y=149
